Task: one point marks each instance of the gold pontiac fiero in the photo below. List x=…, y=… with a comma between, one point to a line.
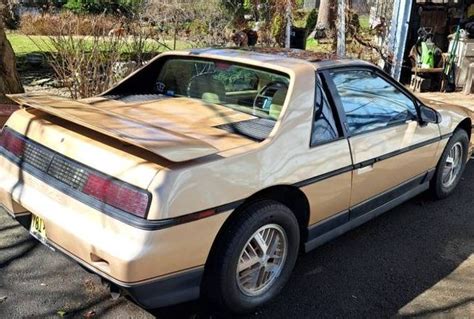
x=206, y=172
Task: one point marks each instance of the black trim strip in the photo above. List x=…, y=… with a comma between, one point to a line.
x=446, y=136
x=328, y=224
x=335, y=101
x=324, y=176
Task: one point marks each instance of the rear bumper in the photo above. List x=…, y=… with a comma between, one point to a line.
x=174, y=289
x=163, y=291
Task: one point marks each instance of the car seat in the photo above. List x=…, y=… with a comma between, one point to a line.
x=207, y=88
x=278, y=101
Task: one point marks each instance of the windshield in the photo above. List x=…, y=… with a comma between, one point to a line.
x=243, y=88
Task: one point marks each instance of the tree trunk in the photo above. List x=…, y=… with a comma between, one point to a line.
x=9, y=79
x=324, y=15
x=326, y=19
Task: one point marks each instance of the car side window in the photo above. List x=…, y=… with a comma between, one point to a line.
x=370, y=102
x=324, y=125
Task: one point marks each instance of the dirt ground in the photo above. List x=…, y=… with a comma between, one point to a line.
x=453, y=98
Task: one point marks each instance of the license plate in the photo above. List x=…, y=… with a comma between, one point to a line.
x=38, y=229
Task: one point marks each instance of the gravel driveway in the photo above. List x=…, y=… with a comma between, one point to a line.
x=416, y=260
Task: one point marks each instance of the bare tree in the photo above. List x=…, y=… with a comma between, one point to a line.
x=9, y=79
x=87, y=65
x=202, y=22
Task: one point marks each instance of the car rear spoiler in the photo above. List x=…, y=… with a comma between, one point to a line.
x=173, y=146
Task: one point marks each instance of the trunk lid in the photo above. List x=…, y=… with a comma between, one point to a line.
x=177, y=129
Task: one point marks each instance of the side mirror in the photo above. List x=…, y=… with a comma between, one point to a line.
x=428, y=115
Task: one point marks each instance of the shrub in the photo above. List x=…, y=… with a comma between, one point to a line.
x=88, y=65
x=9, y=13
x=202, y=22
x=50, y=24
x=311, y=20
x=122, y=7
x=278, y=29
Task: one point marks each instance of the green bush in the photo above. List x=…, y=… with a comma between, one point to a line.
x=197, y=27
x=278, y=29
x=247, y=4
x=126, y=7
x=311, y=20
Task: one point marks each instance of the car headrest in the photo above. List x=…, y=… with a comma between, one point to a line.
x=204, y=85
x=277, y=103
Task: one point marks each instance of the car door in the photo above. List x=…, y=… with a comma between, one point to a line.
x=392, y=152
x=329, y=191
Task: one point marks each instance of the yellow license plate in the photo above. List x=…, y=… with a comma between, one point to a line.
x=37, y=228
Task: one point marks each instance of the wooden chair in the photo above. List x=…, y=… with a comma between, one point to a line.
x=417, y=78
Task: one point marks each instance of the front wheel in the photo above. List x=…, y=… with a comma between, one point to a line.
x=253, y=258
x=451, y=165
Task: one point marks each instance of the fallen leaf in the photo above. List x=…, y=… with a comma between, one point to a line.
x=62, y=313
x=90, y=314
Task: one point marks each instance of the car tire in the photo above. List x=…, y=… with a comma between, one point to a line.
x=451, y=165
x=240, y=277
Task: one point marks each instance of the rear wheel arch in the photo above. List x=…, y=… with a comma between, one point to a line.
x=290, y=196
x=440, y=187
x=466, y=125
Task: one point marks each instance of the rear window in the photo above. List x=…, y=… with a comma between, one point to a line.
x=243, y=88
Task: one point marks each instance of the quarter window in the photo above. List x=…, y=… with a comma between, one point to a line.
x=324, y=126
x=370, y=102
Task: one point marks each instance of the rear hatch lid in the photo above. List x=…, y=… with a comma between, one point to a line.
x=163, y=142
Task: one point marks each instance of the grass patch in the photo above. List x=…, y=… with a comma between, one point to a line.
x=317, y=46
x=23, y=44
x=364, y=21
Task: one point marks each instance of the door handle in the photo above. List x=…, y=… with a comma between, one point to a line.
x=365, y=169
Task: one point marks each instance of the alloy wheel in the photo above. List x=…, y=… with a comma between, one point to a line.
x=262, y=260
x=453, y=165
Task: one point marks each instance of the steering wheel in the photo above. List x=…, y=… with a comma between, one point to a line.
x=263, y=100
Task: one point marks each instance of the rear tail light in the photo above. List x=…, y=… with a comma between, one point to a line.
x=78, y=177
x=117, y=194
x=12, y=143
